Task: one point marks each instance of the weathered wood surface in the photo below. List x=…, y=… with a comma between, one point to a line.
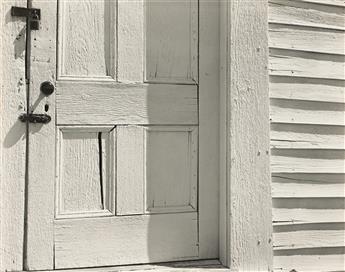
x=296, y=237
x=248, y=134
x=306, y=39
x=128, y=240
x=306, y=112
x=12, y=136
x=111, y=103
x=306, y=64
x=329, y=262
x=339, y=3
x=194, y=266
x=300, y=13
x=209, y=125
x=283, y=216
x=290, y=136
x=295, y=190
x=307, y=91
x=41, y=169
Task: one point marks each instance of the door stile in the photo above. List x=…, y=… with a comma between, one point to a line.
x=208, y=129
x=41, y=150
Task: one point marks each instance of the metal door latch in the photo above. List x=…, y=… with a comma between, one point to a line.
x=35, y=118
x=32, y=14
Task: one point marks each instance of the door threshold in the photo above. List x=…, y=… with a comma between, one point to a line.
x=199, y=265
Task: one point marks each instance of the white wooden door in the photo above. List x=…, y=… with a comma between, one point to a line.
x=117, y=176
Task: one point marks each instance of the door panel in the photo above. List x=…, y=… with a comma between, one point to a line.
x=156, y=169
x=85, y=184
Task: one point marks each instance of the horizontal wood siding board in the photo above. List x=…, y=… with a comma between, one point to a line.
x=308, y=89
x=284, y=216
x=299, y=136
x=309, y=263
x=150, y=104
x=307, y=161
x=300, y=190
x=306, y=112
x=305, y=64
x=338, y=3
x=313, y=178
x=299, y=237
x=306, y=14
x=306, y=39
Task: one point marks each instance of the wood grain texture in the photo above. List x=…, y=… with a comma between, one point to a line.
x=283, y=216
x=41, y=170
x=108, y=103
x=305, y=64
x=85, y=172
x=248, y=136
x=300, y=190
x=171, y=52
x=128, y=240
x=297, y=238
x=308, y=89
x=307, y=133
x=208, y=167
x=306, y=39
x=12, y=137
x=306, y=14
x=171, y=176
x=91, y=51
x=130, y=179
x=195, y=266
x=339, y=3
x=309, y=263
x=313, y=161
x=291, y=136
x=130, y=44
x=306, y=112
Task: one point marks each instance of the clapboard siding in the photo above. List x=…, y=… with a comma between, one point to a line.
x=307, y=91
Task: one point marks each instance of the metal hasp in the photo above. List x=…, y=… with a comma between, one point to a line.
x=35, y=118
x=33, y=15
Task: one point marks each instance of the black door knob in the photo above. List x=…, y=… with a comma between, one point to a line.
x=47, y=88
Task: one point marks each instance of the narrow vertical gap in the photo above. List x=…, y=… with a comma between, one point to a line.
x=27, y=131
x=100, y=168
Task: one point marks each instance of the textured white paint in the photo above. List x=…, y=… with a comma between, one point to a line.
x=127, y=240
x=306, y=39
x=307, y=134
x=41, y=171
x=248, y=173
x=195, y=266
x=108, y=103
x=306, y=14
x=90, y=53
x=79, y=190
x=130, y=170
x=310, y=263
x=171, y=155
x=12, y=137
x=172, y=41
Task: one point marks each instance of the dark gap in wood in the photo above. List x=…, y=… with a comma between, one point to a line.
x=100, y=168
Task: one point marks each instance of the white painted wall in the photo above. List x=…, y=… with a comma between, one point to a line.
x=307, y=48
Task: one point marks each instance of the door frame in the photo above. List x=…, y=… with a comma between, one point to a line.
x=243, y=135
